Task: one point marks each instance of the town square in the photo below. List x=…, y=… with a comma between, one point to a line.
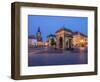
x=61, y=47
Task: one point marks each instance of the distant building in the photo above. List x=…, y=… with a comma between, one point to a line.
x=52, y=40
x=46, y=43
x=79, y=40
x=39, y=38
x=38, y=35
x=32, y=41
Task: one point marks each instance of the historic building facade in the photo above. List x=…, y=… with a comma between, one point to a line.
x=39, y=38
x=32, y=41
x=79, y=40
x=35, y=41
x=63, y=38
x=66, y=39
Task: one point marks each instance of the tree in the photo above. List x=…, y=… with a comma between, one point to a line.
x=53, y=43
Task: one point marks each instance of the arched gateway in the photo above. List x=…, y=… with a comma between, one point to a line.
x=64, y=38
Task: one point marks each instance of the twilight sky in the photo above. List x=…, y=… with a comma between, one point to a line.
x=50, y=24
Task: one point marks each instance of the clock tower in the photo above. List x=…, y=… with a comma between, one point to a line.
x=38, y=35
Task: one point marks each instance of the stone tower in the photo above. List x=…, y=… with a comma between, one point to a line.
x=38, y=35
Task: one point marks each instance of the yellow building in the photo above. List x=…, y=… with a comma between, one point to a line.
x=79, y=40
x=46, y=43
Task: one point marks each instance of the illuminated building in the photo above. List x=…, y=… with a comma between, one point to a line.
x=39, y=38
x=32, y=41
x=79, y=40
x=64, y=38
x=46, y=43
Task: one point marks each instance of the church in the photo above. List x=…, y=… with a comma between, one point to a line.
x=39, y=38
x=35, y=40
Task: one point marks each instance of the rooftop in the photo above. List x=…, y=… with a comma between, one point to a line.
x=65, y=29
x=31, y=37
x=75, y=33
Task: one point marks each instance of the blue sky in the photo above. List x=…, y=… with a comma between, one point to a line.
x=50, y=24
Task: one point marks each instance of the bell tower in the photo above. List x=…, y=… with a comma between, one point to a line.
x=38, y=35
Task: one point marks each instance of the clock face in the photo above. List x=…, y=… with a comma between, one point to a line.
x=38, y=34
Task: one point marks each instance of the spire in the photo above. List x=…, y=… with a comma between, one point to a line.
x=63, y=26
x=38, y=34
x=38, y=29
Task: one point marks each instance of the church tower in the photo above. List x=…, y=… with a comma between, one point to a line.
x=39, y=38
x=38, y=35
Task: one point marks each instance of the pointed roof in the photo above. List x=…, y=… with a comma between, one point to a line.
x=38, y=29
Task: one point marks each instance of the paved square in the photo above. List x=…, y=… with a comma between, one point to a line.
x=47, y=56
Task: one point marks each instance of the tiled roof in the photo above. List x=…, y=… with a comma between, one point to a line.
x=75, y=33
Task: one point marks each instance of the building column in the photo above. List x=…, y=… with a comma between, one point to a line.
x=65, y=43
x=57, y=42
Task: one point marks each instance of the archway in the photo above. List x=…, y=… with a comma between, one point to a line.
x=60, y=42
x=70, y=43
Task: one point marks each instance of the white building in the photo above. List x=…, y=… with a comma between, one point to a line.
x=32, y=41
